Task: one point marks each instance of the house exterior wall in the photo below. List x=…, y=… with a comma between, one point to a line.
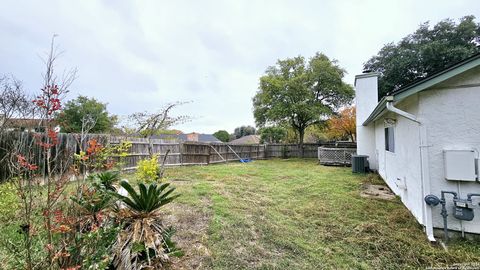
x=401, y=169
x=366, y=98
x=450, y=112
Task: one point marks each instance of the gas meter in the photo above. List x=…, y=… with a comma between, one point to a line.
x=461, y=209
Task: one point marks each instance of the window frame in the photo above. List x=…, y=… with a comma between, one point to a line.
x=390, y=139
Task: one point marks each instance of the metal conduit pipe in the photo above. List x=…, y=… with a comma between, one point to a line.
x=470, y=195
x=444, y=212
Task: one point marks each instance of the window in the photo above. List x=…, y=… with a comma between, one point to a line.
x=389, y=139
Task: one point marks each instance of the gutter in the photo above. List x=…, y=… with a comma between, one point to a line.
x=393, y=109
x=424, y=169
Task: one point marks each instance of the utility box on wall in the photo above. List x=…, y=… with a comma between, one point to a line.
x=460, y=165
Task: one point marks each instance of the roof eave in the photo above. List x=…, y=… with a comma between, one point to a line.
x=424, y=84
x=436, y=79
x=376, y=112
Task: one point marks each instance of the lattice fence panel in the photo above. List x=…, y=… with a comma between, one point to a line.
x=336, y=156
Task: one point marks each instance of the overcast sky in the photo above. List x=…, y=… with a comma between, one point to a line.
x=138, y=55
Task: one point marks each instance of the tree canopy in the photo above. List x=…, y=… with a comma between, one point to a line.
x=244, y=131
x=342, y=126
x=272, y=134
x=424, y=52
x=298, y=93
x=85, y=114
x=14, y=101
x=222, y=135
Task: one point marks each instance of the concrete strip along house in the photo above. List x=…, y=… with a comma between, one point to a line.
x=424, y=141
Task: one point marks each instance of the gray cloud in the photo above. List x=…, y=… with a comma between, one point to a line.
x=139, y=55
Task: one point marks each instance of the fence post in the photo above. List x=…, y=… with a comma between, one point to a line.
x=228, y=148
x=209, y=153
x=180, y=146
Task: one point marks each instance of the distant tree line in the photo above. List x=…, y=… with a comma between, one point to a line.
x=238, y=132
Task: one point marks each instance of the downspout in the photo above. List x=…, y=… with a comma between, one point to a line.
x=393, y=109
x=424, y=169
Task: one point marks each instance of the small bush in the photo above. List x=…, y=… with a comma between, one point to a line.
x=145, y=242
x=105, y=180
x=8, y=201
x=148, y=170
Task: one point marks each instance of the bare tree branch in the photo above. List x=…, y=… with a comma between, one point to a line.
x=148, y=124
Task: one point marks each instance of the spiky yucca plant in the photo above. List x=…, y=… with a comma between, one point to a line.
x=105, y=180
x=144, y=241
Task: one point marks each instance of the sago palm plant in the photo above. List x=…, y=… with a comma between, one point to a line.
x=106, y=180
x=144, y=241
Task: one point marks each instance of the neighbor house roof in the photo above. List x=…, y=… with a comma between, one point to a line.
x=184, y=137
x=201, y=137
x=424, y=84
x=249, y=139
x=23, y=122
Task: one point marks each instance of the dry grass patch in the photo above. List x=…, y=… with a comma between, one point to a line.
x=191, y=224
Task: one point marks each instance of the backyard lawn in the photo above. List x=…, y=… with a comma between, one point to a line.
x=295, y=214
x=279, y=214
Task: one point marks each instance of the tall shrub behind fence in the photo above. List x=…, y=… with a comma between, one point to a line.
x=26, y=143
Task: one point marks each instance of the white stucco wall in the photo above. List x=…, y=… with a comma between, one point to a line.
x=402, y=168
x=452, y=116
x=449, y=113
x=366, y=99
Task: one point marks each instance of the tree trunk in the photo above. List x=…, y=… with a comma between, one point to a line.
x=352, y=137
x=150, y=147
x=301, y=134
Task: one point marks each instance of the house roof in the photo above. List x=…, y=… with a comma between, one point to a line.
x=201, y=138
x=183, y=137
x=23, y=122
x=424, y=84
x=249, y=139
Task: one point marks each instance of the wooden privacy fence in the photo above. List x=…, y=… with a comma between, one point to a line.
x=192, y=153
x=310, y=150
x=186, y=153
x=26, y=143
x=196, y=153
x=292, y=150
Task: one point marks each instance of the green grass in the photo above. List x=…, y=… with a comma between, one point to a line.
x=295, y=214
x=282, y=214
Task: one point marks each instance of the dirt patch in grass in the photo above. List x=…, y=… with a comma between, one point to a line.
x=191, y=224
x=377, y=192
x=373, y=179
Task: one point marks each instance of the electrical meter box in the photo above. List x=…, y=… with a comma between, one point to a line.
x=459, y=165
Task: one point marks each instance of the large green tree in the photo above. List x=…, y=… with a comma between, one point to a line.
x=86, y=115
x=244, y=131
x=300, y=93
x=272, y=134
x=222, y=135
x=427, y=50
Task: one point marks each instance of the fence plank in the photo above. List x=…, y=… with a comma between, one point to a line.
x=186, y=153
